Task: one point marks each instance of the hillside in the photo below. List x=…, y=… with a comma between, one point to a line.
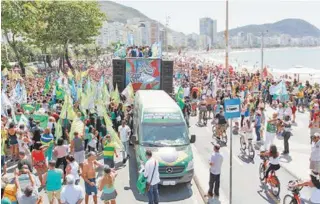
x=293, y=27
x=119, y=13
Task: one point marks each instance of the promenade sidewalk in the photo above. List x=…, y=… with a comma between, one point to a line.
x=297, y=162
x=201, y=178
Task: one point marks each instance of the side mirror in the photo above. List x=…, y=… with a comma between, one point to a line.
x=134, y=140
x=193, y=139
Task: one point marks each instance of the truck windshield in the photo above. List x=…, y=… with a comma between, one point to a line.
x=164, y=135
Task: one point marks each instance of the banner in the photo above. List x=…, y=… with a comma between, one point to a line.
x=43, y=119
x=143, y=73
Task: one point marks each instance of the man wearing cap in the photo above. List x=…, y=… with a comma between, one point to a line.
x=71, y=193
x=315, y=153
x=215, y=171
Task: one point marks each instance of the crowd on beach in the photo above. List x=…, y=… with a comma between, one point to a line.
x=57, y=127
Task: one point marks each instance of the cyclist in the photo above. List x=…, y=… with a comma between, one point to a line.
x=202, y=110
x=314, y=182
x=274, y=164
x=247, y=130
x=222, y=123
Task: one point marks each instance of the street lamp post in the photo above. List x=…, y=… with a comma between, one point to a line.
x=227, y=67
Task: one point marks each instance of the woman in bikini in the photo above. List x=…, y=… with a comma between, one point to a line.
x=106, y=185
x=13, y=141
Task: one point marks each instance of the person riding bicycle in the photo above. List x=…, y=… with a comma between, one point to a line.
x=247, y=130
x=314, y=182
x=222, y=123
x=274, y=164
x=202, y=110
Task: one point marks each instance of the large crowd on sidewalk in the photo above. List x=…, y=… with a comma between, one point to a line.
x=64, y=150
x=205, y=88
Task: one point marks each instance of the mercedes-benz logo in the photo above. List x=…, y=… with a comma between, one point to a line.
x=169, y=170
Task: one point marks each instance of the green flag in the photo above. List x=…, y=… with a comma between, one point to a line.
x=141, y=183
x=59, y=92
x=180, y=98
x=47, y=86
x=28, y=107
x=115, y=95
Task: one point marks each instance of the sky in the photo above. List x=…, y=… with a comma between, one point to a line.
x=185, y=15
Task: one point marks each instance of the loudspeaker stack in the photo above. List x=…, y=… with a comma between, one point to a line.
x=119, y=73
x=167, y=76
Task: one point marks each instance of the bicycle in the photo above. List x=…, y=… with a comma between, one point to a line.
x=249, y=147
x=295, y=197
x=272, y=179
x=224, y=138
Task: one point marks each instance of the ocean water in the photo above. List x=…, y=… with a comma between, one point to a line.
x=276, y=59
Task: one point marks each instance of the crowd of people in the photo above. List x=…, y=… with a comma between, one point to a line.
x=206, y=86
x=62, y=156
x=141, y=51
x=58, y=155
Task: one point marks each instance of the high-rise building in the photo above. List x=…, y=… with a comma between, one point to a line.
x=154, y=32
x=215, y=33
x=206, y=28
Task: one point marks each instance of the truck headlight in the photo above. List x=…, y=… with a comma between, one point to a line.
x=190, y=166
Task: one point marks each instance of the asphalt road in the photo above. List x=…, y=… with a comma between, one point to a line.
x=246, y=185
x=126, y=187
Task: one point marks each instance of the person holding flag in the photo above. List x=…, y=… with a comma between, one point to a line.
x=47, y=139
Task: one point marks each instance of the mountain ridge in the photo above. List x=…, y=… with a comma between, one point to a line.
x=294, y=27
x=291, y=26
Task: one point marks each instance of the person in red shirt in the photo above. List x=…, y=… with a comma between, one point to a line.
x=55, y=115
x=293, y=109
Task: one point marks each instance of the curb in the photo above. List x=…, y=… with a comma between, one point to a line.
x=201, y=191
x=289, y=171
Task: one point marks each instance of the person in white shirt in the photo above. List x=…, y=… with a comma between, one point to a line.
x=288, y=110
x=215, y=171
x=71, y=193
x=186, y=91
x=271, y=92
x=151, y=172
x=281, y=111
x=124, y=134
x=315, y=153
x=314, y=183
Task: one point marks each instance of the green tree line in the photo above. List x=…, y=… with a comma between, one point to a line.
x=50, y=28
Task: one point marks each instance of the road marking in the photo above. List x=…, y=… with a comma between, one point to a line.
x=233, y=156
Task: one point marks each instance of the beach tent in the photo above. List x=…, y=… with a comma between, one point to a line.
x=280, y=92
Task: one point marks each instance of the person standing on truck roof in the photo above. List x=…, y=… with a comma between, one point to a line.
x=124, y=134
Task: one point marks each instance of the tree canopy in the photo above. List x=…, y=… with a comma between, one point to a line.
x=50, y=24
